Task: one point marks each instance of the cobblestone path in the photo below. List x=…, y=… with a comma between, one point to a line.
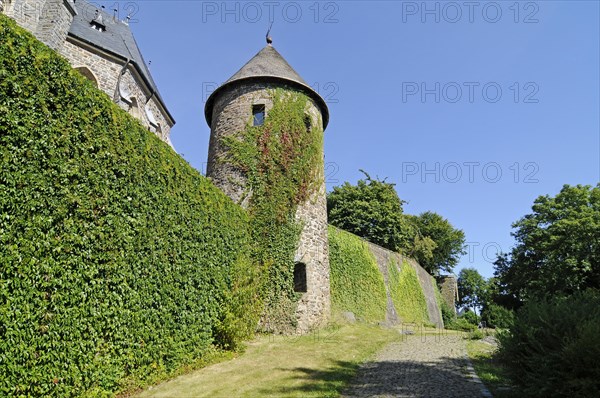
x=420, y=366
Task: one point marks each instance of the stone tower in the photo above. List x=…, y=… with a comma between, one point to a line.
x=245, y=95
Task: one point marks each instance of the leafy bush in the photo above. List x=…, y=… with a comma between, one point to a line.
x=448, y=314
x=407, y=293
x=461, y=324
x=476, y=334
x=470, y=317
x=357, y=285
x=552, y=349
x=119, y=262
x=497, y=316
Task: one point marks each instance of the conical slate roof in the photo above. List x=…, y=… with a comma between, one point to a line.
x=267, y=66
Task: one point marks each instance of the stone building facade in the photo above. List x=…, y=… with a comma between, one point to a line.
x=227, y=111
x=102, y=48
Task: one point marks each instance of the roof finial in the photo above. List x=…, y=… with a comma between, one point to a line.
x=269, y=38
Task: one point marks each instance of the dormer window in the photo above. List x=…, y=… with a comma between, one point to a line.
x=97, y=23
x=258, y=115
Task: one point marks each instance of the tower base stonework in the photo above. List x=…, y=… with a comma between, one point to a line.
x=313, y=250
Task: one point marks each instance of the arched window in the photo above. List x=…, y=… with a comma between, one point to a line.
x=300, y=285
x=124, y=92
x=87, y=73
x=134, y=109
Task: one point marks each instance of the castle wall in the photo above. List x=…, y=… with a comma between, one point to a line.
x=53, y=27
x=232, y=111
x=50, y=21
x=130, y=84
x=449, y=290
x=106, y=70
x=25, y=12
x=426, y=281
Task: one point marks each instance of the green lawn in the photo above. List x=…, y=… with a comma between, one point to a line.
x=488, y=368
x=315, y=365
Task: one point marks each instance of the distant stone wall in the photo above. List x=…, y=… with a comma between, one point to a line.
x=383, y=257
x=426, y=281
x=449, y=290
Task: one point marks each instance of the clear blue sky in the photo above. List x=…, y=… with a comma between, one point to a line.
x=477, y=157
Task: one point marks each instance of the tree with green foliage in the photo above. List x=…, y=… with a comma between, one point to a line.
x=553, y=345
x=438, y=245
x=557, y=247
x=471, y=289
x=370, y=209
x=497, y=316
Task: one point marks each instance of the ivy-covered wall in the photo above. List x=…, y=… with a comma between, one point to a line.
x=377, y=284
x=406, y=292
x=118, y=261
x=357, y=285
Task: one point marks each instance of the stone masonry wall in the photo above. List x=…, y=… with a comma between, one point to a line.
x=232, y=111
x=25, y=12
x=50, y=20
x=106, y=72
x=426, y=281
x=313, y=250
x=55, y=23
x=449, y=290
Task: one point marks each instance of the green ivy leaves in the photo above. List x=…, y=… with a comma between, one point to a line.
x=281, y=160
x=118, y=261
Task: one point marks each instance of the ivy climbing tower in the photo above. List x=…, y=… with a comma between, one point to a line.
x=270, y=111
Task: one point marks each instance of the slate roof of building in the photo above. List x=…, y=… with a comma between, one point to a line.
x=268, y=65
x=117, y=39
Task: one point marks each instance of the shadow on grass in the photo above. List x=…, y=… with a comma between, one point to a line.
x=447, y=377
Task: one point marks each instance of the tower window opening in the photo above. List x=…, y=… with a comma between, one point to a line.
x=258, y=115
x=300, y=278
x=307, y=122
